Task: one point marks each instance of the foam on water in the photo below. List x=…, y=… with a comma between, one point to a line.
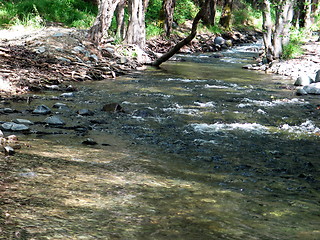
x=181, y=110
x=250, y=102
x=307, y=127
x=206, y=105
x=219, y=127
x=185, y=80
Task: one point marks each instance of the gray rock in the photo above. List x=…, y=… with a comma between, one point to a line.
x=67, y=95
x=8, y=150
x=89, y=141
x=42, y=109
x=54, y=120
x=248, y=66
x=52, y=87
x=112, y=107
x=313, y=88
x=60, y=106
x=303, y=81
x=317, y=76
x=85, y=112
x=23, y=121
x=11, y=126
x=301, y=92
x=219, y=40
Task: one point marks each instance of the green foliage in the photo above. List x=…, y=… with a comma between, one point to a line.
x=73, y=13
x=185, y=10
x=293, y=48
x=153, y=30
x=247, y=16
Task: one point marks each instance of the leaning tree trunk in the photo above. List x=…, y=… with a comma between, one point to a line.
x=103, y=20
x=185, y=41
x=267, y=30
x=136, y=33
x=281, y=34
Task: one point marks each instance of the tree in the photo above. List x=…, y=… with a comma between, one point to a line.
x=209, y=17
x=186, y=40
x=275, y=37
x=166, y=15
x=225, y=19
x=103, y=20
x=136, y=32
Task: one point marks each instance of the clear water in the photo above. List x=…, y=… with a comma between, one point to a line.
x=205, y=150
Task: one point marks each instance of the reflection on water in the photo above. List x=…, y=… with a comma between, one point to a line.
x=205, y=150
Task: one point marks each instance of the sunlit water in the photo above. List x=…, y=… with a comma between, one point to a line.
x=211, y=151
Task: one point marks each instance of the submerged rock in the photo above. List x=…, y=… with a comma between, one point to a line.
x=23, y=121
x=313, y=88
x=11, y=126
x=89, y=141
x=85, y=112
x=42, y=109
x=112, y=107
x=60, y=106
x=54, y=120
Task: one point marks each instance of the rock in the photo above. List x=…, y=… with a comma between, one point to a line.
x=313, y=88
x=219, y=40
x=301, y=92
x=1, y=134
x=54, y=120
x=23, y=121
x=317, y=79
x=11, y=126
x=42, y=109
x=303, y=81
x=112, y=107
x=228, y=43
x=248, y=66
x=60, y=106
x=8, y=150
x=71, y=88
x=66, y=95
x=89, y=141
x=218, y=55
x=85, y=112
x=52, y=87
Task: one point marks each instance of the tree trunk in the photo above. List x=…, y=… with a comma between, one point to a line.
x=209, y=17
x=120, y=20
x=185, y=41
x=136, y=33
x=225, y=19
x=103, y=20
x=281, y=36
x=267, y=30
x=167, y=15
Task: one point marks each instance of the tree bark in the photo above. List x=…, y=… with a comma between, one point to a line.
x=209, y=17
x=225, y=19
x=267, y=29
x=185, y=41
x=281, y=36
x=167, y=15
x=136, y=33
x=103, y=20
x=120, y=19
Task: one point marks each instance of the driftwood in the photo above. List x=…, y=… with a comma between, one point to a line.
x=186, y=40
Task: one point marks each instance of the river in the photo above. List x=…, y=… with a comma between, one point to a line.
x=204, y=150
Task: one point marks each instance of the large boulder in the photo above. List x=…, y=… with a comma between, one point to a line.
x=313, y=88
x=219, y=41
x=303, y=81
x=317, y=76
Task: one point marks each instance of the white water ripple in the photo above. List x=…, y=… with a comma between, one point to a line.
x=219, y=127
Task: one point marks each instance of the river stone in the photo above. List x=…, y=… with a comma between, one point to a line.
x=219, y=40
x=23, y=121
x=60, y=106
x=89, y=141
x=303, y=81
x=112, y=107
x=54, y=120
x=313, y=88
x=66, y=95
x=85, y=112
x=8, y=150
x=11, y=126
x=301, y=92
x=42, y=109
x=317, y=76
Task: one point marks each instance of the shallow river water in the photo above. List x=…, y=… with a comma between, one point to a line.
x=204, y=150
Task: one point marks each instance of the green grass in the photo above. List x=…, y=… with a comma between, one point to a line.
x=293, y=48
x=72, y=13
